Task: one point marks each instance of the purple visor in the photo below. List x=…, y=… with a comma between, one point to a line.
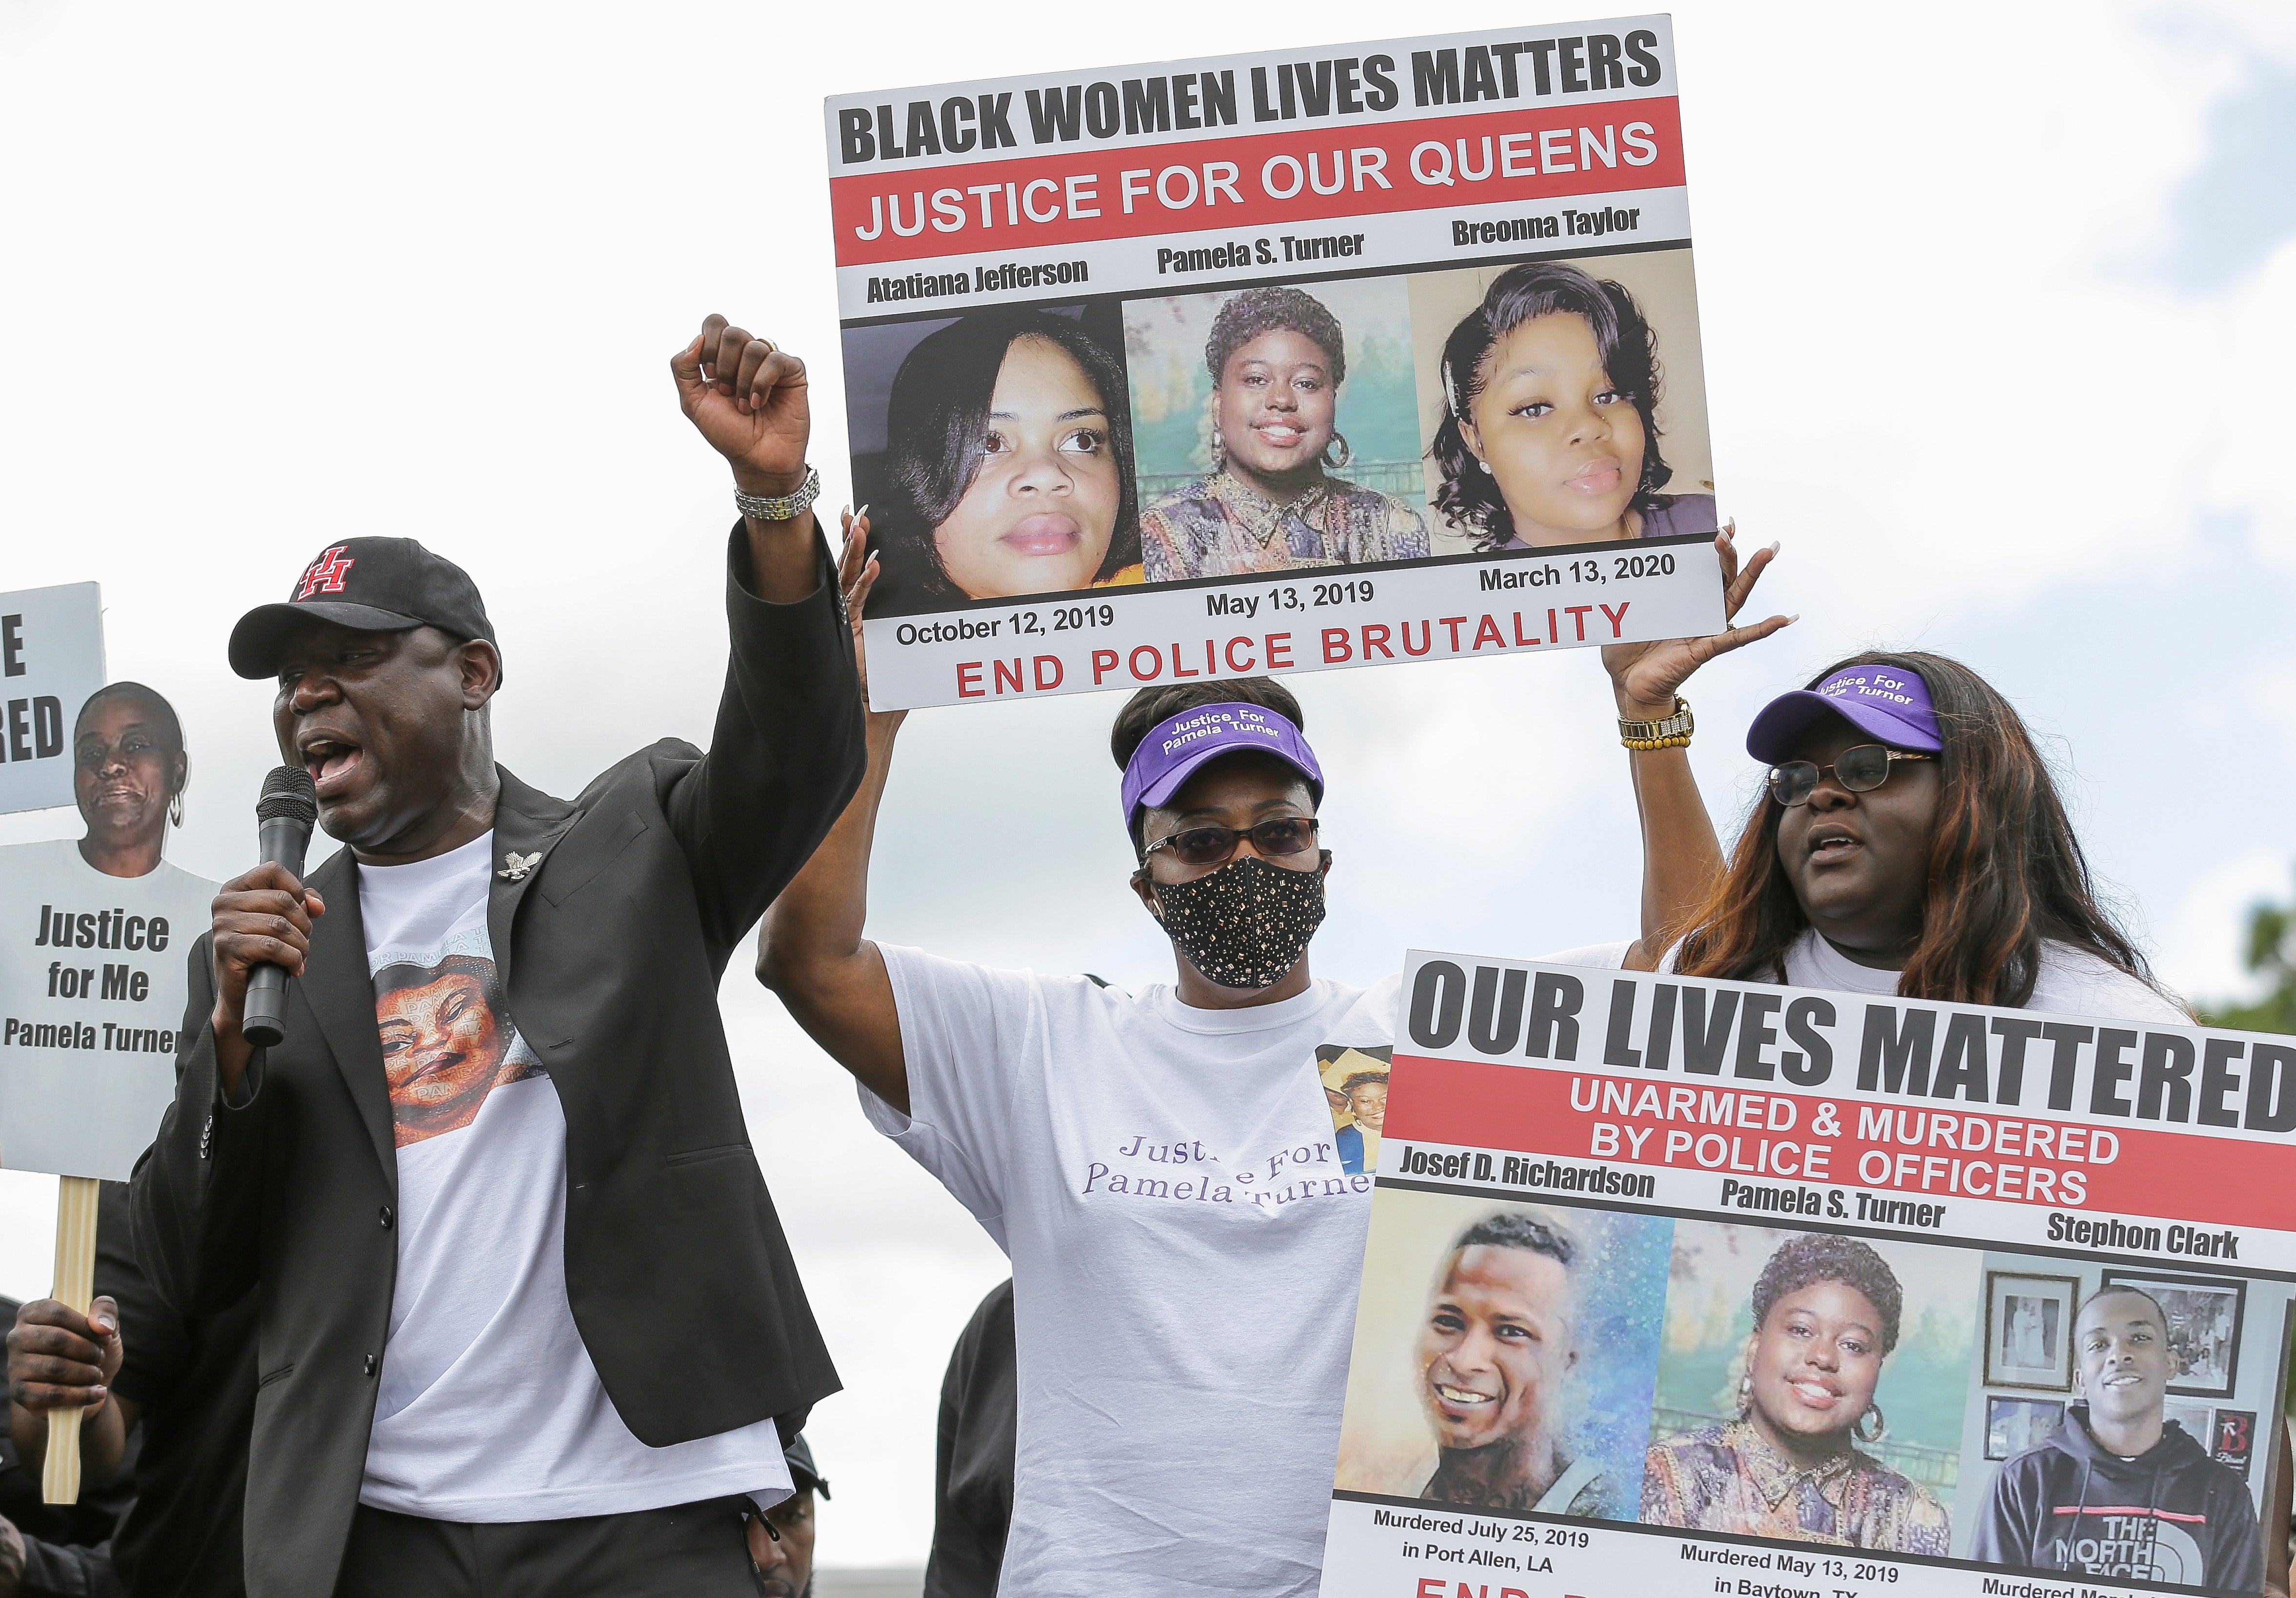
x=1892, y=705
x=1176, y=746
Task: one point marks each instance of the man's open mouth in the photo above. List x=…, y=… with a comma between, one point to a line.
x=1460, y=1396
x=331, y=763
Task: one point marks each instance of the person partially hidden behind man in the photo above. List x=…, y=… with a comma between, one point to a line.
x=781, y=1538
x=2121, y=1490
x=500, y=1148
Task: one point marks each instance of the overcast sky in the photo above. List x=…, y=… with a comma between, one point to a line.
x=1999, y=304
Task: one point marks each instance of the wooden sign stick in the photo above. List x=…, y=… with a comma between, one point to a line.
x=75, y=1286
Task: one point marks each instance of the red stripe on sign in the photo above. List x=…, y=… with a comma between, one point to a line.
x=1918, y=1148
x=2128, y=1509
x=1255, y=181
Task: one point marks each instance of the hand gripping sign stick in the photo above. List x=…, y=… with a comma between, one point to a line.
x=75, y=1286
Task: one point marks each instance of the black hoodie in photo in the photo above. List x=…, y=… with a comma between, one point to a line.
x=2171, y=1514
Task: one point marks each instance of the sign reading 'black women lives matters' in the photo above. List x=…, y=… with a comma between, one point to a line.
x=1294, y=361
x=1685, y=1286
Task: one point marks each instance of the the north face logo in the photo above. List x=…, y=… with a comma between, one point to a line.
x=325, y=575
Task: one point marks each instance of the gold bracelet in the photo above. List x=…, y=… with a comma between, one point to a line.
x=1671, y=732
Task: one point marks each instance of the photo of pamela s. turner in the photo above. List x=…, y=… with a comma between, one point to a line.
x=1275, y=429
x=1812, y=1389
x=1355, y=1081
x=993, y=452
x=1562, y=404
x=1504, y=1354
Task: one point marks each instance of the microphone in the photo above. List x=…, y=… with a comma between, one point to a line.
x=282, y=825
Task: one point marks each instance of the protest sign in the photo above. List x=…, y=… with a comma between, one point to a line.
x=94, y=945
x=51, y=660
x=1684, y=1286
x=1268, y=363
x=93, y=985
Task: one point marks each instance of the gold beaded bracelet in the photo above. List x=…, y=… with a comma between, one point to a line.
x=1673, y=733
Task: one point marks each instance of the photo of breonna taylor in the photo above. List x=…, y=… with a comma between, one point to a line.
x=1007, y=469
x=110, y=905
x=1827, y=1314
x=1503, y=1357
x=1551, y=393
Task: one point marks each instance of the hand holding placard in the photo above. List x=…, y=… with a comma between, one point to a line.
x=1647, y=676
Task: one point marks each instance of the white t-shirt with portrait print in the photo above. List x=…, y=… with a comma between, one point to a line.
x=1185, y=1252
x=488, y=1407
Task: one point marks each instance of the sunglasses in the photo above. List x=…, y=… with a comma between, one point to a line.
x=1215, y=846
x=1860, y=770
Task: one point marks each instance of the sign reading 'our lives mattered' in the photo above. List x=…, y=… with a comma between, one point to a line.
x=51, y=660
x=1684, y=1286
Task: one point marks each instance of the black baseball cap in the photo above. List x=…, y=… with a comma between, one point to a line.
x=804, y=1477
x=376, y=585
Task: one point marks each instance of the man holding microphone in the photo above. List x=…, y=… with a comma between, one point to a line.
x=527, y=1318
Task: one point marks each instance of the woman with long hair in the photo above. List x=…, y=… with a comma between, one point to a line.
x=1009, y=465
x=1550, y=426
x=1277, y=359
x=1910, y=839
x=1826, y=1314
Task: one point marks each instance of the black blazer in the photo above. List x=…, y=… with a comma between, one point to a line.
x=609, y=953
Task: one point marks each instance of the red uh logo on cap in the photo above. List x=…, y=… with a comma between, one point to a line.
x=325, y=575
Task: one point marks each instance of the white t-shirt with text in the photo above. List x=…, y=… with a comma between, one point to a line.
x=487, y=1406
x=1186, y=1251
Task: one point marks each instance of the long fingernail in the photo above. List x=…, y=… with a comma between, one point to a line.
x=1777, y=544
x=864, y=510
x=1794, y=618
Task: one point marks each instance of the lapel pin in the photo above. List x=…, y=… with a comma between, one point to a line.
x=515, y=865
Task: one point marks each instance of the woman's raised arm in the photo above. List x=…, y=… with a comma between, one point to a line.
x=1682, y=858
x=810, y=950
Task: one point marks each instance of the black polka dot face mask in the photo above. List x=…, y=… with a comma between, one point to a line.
x=1247, y=924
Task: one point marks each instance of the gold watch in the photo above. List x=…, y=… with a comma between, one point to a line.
x=1673, y=733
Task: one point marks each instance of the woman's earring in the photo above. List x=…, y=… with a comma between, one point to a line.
x=1745, y=1394
x=1347, y=452
x=1486, y=465
x=1881, y=1425
x=176, y=809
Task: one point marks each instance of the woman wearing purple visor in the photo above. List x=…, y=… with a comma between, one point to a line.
x=1162, y=1169
x=1911, y=840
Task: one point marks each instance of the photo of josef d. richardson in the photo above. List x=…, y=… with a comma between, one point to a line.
x=1504, y=1355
